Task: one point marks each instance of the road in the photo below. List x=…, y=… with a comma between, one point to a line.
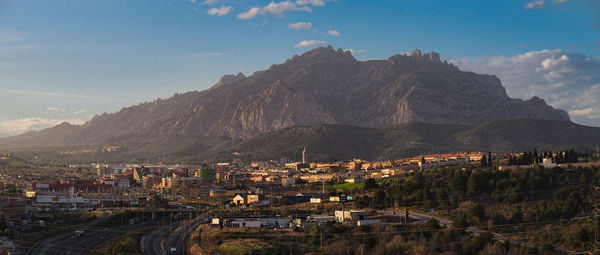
x=178, y=238
x=43, y=247
x=93, y=239
x=152, y=243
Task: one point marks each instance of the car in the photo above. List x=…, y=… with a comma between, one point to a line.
x=173, y=250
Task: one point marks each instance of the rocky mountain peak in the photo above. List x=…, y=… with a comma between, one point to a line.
x=229, y=78
x=431, y=57
x=537, y=100
x=324, y=54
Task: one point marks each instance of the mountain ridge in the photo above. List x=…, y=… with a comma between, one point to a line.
x=320, y=86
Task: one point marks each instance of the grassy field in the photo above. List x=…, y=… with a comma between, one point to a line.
x=349, y=186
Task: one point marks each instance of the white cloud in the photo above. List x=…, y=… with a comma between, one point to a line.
x=566, y=80
x=221, y=11
x=43, y=94
x=582, y=112
x=300, y=25
x=210, y=2
x=315, y=3
x=276, y=9
x=560, y=1
x=20, y=126
x=551, y=62
x=54, y=109
x=80, y=111
x=355, y=52
x=535, y=4
x=250, y=14
x=333, y=33
x=308, y=43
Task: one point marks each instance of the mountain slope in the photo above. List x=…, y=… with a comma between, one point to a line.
x=329, y=142
x=326, y=142
x=321, y=86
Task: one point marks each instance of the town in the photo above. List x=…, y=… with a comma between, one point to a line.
x=81, y=208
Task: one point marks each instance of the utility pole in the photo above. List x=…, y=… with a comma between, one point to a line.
x=596, y=247
x=321, y=238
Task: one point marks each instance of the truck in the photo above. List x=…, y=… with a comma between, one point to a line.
x=78, y=233
x=134, y=221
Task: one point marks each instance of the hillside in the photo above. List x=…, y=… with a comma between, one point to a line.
x=326, y=142
x=331, y=142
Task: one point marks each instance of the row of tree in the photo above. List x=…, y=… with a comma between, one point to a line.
x=486, y=161
x=532, y=158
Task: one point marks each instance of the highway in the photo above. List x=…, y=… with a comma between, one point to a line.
x=43, y=247
x=178, y=238
x=93, y=239
x=152, y=243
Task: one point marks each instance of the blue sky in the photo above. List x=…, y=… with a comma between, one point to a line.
x=69, y=60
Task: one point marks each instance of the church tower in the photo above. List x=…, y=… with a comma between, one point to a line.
x=304, y=156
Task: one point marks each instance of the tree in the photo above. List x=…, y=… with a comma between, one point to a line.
x=478, y=212
x=490, y=159
x=379, y=200
x=477, y=182
x=370, y=183
x=483, y=161
x=432, y=224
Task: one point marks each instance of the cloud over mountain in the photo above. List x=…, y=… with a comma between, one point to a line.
x=309, y=43
x=567, y=80
x=19, y=126
x=275, y=9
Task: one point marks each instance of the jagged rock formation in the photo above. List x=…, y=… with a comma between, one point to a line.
x=321, y=86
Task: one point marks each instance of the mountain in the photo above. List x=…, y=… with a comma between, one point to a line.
x=330, y=142
x=326, y=142
x=321, y=86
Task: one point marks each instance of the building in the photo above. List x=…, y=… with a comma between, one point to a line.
x=239, y=200
x=288, y=182
x=207, y=175
x=350, y=215
x=304, y=159
x=254, y=198
x=548, y=163
x=355, y=181
x=322, y=219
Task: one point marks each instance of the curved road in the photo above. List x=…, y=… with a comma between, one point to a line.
x=152, y=243
x=178, y=238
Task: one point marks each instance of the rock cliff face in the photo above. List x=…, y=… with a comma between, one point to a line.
x=321, y=86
